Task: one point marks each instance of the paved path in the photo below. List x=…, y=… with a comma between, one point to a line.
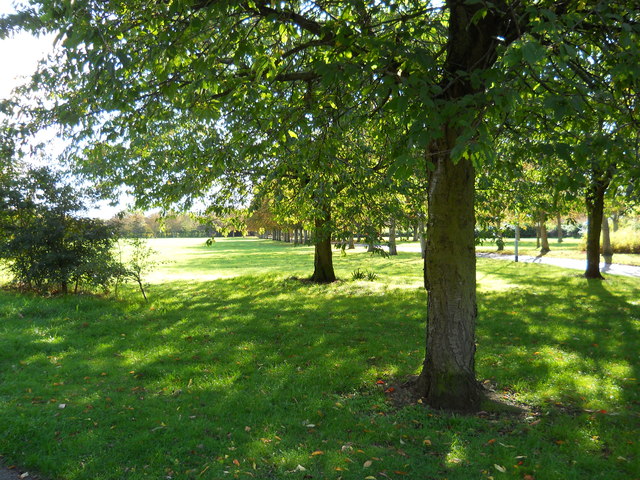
x=613, y=269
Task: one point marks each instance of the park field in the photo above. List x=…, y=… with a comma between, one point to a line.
x=236, y=368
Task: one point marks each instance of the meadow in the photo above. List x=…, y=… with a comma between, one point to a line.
x=236, y=368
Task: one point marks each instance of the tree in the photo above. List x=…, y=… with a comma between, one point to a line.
x=49, y=247
x=191, y=95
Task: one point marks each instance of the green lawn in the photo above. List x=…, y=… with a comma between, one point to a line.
x=236, y=370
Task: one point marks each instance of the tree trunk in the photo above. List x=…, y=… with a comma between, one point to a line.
x=597, y=187
x=415, y=233
x=544, y=238
x=423, y=238
x=448, y=379
x=615, y=221
x=499, y=238
x=392, y=237
x=559, y=223
x=538, y=235
x=352, y=244
x=323, y=260
x=372, y=245
x=607, y=250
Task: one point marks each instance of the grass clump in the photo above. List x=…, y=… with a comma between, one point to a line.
x=358, y=274
x=240, y=371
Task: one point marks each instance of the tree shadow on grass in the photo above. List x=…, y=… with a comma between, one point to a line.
x=221, y=376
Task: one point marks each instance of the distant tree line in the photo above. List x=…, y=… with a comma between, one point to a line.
x=156, y=225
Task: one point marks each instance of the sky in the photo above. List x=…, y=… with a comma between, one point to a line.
x=19, y=55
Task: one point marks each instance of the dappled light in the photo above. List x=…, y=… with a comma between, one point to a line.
x=270, y=375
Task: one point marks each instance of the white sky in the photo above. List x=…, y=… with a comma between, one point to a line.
x=19, y=55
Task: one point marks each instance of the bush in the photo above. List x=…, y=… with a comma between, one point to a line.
x=47, y=246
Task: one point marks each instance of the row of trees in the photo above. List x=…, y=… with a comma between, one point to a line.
x=337, y=110
x=156, y=225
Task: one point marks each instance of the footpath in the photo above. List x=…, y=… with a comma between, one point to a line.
x=612, y=269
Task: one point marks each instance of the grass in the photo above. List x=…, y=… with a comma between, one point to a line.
x=235, y=370
x=569, y=248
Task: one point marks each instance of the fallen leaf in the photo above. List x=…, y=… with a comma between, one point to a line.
x=317, y=452
x=236, y=462
x=500, y=468
x=247, y=429
x=367, y=464
x=427, y=442
x=380, y=382
x=491, y=442
x=390, y=390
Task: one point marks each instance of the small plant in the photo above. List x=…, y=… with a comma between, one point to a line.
x=357, y=274
x=140, y=263
x=360, y=275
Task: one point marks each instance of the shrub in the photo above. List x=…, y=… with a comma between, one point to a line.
x=47, y=246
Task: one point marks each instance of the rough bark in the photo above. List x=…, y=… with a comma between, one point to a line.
x=596, y=189
x=559, y=226
x=448, y=379
x=323, y=259
x=392, y=237
x=607, y=249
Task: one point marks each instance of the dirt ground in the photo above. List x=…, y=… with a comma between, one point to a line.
x=15, y=473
